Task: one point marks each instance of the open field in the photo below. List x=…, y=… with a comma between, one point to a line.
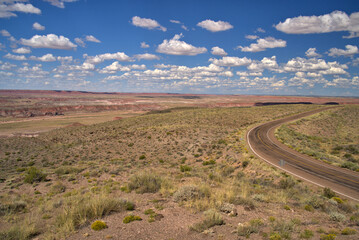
x=331, y=136
x=186, y=172
x=27, y=112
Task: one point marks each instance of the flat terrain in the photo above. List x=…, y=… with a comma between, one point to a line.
x=264, y=144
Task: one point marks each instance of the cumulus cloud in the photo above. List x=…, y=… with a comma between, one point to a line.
x=7, y=9
x=213, y=26
x=176, y=47
x=91, y=38
x=349, y=51
x=144, y=45
x=15, y=57
x=117, y=67
x=314, y=65
x=80, y=42
x=231, y=61
x=22, y=50
x=264, y=43
x=252, y=37
x=332, y=22
x=265, y=63
x=5, y=33
x=261, y=30
x=65, y=59
x=38, y=26
x=59, y=3
x=119, y=56
x=48, y=41
x=147, y=23
x=45, y=58
x=218, y=51
x=146, y=56
x=312, y=53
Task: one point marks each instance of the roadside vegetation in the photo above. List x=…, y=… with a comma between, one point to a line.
x=145, y=171
x=331, y=136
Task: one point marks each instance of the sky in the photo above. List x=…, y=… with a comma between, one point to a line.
x=278, y=47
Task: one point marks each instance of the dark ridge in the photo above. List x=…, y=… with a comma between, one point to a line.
x=331, y=103
x=279, y=103
x=168, y=110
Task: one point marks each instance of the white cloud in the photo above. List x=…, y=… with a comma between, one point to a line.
x=59, y=3
x=116, y=67
x=22, y=50
x=5, y=33
x=119, y=56
x=65, y=59
x=231, y=61
x=15, y=57
x=213, y=26
x=91, y=38
x=252, y=37
x=265, y=63
x=264, y=43
x=146, y=56
x=7, y=66
x=80, y=42
x=176, y=47
x=226, y=74
x=314, y=65
x=48, y=41
x=178, y=22
x=332, y=22
x=38, y=26
x=350, y=51
x=261, y=30
x=45, y=58
x=7, y=10
x=218, y=51
x=147, y=23
x=144, y=45
x=312, y=52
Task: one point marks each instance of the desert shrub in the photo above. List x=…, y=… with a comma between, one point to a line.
x=306, y=234
x=142, y=157
x=227, y=170
x=286, y=207
x=63, y=170
x=286, y=183
x=84, y=209
x=275, y=236
x=58, y=188
x=337, y=199
x=211, y=218
x=309, y=208
x=149, y=211
x=285, y=228
x=98, y=225
x=210, y=162
x=145, y=183
x=131, y=218
x=185, y=168
x=348, y=231
x=245, y=163
x=12, y=207
x=336, y=216
x=21, y=232
x=34, y=175
x=188, y=192
x=253, y=226
x=355, y=219
x=328, y=237
x=328, y=193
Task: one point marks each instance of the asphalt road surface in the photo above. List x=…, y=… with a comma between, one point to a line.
x=263, y=143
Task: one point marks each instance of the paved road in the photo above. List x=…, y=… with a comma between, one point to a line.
x=263, y=143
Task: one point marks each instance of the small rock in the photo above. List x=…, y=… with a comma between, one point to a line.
x=86, y=234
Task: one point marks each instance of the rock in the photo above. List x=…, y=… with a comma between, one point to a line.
x=86, y=234
x=227, y=208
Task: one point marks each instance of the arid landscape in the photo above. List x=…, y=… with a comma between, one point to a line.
x=82, y=165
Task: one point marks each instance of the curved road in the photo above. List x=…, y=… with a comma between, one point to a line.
x=263, y=143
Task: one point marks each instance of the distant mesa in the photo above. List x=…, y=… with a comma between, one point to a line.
x=331, y=103
x=278, y=103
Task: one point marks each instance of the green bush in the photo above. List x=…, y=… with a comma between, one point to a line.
x=336, y=216
x=328, y=193
x=12, y=207
x=131, y=218
x=348, y=231
x=306, y=234
x=210, y=162
x=34, y=175
x=211, y=218
x=98, y=225
x=252, y=226
x=185, y=168
x=58, y=188
x=188, y=192
x=145, y=183
x=328, y=237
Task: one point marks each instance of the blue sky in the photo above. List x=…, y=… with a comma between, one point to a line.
x=217, y=47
